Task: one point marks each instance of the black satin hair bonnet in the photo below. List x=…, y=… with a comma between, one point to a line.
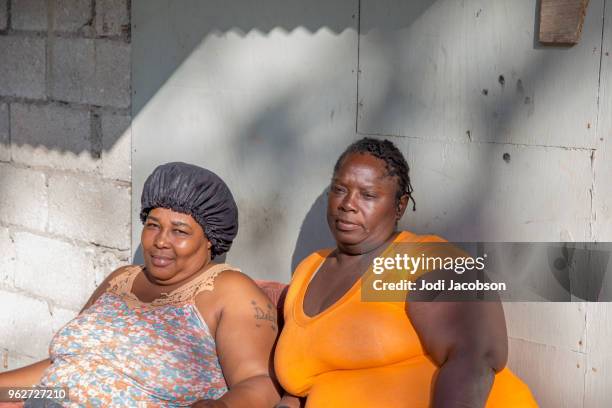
x=198, y=192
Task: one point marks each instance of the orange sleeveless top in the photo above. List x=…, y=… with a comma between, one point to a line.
x=364, y=354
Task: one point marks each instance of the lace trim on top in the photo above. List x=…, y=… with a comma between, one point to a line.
x=121, y=285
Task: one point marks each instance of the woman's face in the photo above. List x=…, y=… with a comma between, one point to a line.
x=362, y=211
x=174, y=246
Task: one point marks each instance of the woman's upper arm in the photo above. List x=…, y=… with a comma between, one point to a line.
x=246, y=328
x=469, y=328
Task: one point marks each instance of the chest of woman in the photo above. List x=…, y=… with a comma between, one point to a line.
x=166, y=350
x=349, y=335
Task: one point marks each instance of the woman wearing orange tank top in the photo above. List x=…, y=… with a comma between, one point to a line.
x=336, y=350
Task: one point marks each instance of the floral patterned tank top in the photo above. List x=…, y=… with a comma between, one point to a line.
x=122, y=352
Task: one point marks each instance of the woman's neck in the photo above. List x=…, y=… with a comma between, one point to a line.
x=348, y=254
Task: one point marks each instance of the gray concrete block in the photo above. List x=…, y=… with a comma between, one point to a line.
x=91, y=71
x=108, y=261
x=73, y=68
x=23, y=74
x=60, y=271
x=29, y=15
x=72, y=15
x=113, y=72
x=7, y=258
x=116, y=147
x=112, y=17
x=3, y=14
x=25, y=323
x=90, y=210
x=54, y=136
x=5, y=148
x=23, y=197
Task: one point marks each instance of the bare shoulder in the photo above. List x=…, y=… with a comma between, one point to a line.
x=234, y=298
x=229, y=287
x=236, y=284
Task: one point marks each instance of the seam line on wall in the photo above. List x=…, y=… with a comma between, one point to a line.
x=547, y=345
x=9, y=15
x=593, y=216
x=89, y=176
x=450, y=141
x=10, y=133
x=49, y=48
x=586, y=355
x=358, y=66
x=68, y=104
x=75, y=242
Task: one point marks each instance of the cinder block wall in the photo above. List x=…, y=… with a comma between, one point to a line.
x=64, y=163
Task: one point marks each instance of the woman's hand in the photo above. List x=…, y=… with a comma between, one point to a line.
x=289, y=401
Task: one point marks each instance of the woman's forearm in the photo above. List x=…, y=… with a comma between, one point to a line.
x=25, y=376
x=463, y=382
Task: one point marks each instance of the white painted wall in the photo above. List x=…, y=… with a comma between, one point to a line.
x=268, y=94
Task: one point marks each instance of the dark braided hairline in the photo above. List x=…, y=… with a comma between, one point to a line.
x=394, y=160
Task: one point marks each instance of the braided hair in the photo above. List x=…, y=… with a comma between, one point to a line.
x=394, y=160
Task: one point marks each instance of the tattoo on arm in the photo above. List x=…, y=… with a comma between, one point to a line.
x=264, y=315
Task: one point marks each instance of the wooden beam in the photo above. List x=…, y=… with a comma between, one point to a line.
x=561, y=21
